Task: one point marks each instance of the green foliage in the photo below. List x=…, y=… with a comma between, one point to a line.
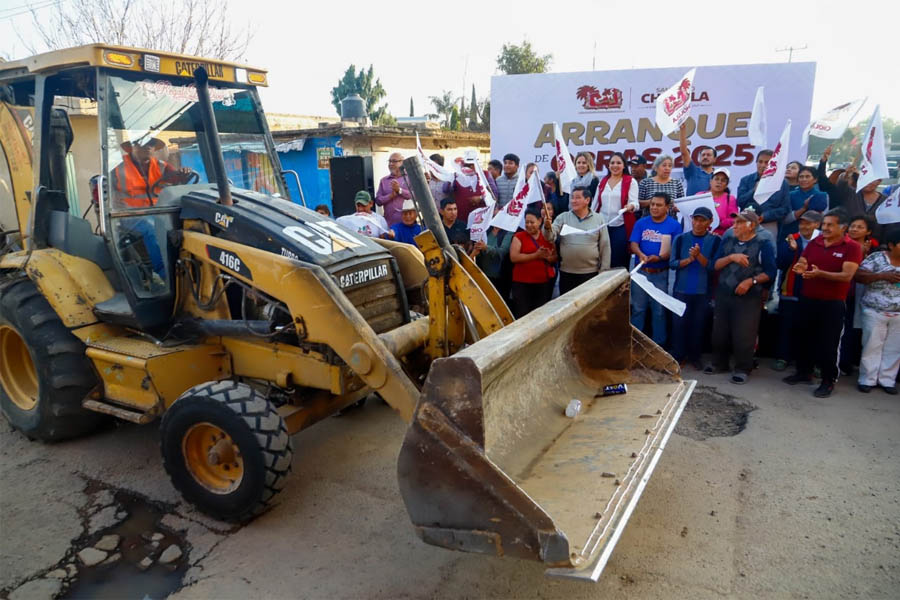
x=443, y=106
x=473, y=111
x=369, y=89
x=454, y=119
x=412, y=111
x=514, y=60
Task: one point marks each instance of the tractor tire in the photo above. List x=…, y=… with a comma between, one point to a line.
x=226, y=449
x=44, y=373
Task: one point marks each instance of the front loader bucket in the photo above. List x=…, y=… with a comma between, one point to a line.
x=491, y=463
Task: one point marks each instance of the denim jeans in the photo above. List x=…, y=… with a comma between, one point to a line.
x=146, y=229
x=641, y=302
x=687, y=330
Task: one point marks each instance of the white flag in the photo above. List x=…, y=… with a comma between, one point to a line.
x=834, y=123
x=673, y=304
x=687, y=205
x=673, y=106
x=874, y=163
x=889, y=211
x=437, y=171
x=773, y=176
x=564, y=165
x=757, y=128
x=568, y=230
x=479, y=221
x=363, y=225
x=512, y=216
x=489, y=199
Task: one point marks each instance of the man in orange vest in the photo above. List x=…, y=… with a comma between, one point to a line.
x=137, y=182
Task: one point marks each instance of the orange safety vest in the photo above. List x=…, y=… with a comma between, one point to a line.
x=133, y=189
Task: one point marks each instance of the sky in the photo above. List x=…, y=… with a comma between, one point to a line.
x=420, y=49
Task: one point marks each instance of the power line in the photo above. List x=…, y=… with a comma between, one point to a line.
x=27, y=8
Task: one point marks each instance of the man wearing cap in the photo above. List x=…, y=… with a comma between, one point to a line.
x=789, y=250
x=827, y=266
x=365, y=221
x=692, y=259
x=638, y=166
x=744, y=263
x=772, y=211
x=407, y=229
x=392, y=190
x=696, y=177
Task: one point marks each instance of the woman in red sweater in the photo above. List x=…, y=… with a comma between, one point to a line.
x=533, y=258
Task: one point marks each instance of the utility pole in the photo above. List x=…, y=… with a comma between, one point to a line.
x=465, y=72
x=790, y=50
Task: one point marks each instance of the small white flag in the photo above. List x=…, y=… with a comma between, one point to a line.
x=757, y=128
x=479, y=221
x=569, y=230
x=512, y=216
x=773, y=176
x=874, y=162
x=564, y=165
x=437, y=171
x=889, y=211
x=688, y=204
x=834, y=123
x=673, y=106
x=673, y=304
x=363, y=225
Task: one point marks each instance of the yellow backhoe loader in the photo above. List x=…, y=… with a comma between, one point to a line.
x=190, y=289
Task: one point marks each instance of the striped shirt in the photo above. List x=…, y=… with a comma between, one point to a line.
x=647, y=187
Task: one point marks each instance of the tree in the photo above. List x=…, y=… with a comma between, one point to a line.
x=454, y=118
x=369, y=89
x=514, y=60
x=485, y=115
x=412, y=111
x=473, y=111
x=443, y=106
x=195, y=27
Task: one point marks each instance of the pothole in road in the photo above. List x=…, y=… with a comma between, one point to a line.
x=137, y=558
x=710, y=413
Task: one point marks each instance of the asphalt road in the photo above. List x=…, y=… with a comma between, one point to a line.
x=803, y=503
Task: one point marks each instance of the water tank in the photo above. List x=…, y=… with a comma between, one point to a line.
x=353, y=108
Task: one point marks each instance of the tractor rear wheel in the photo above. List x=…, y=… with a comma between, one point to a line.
x=226, y=449
x=44, y=373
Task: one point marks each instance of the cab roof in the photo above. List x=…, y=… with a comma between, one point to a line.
x=131, y=59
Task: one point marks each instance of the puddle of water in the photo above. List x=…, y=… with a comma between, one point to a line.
x=124, y=580
x=710, y=413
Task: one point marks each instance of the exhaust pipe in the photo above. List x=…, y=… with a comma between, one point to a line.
x=212, y=135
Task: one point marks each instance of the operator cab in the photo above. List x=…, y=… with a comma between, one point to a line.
x=151, y=139
x=154, y=139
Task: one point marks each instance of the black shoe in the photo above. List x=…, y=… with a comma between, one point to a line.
x=846, y=369
x=824, y=390
x=892, y=390
x=797, y=378
x=865, y=389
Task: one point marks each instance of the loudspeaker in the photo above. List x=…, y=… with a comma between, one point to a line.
x=349, y=174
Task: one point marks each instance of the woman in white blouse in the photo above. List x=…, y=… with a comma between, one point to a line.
x=617, y=202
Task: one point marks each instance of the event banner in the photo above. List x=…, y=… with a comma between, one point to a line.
x=615, y=111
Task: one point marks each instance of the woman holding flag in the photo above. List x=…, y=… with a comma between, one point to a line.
x=584, y=168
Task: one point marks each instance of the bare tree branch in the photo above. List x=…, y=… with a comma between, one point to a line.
x=199, y=27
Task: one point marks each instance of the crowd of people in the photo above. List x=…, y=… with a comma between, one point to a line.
x=812, y=253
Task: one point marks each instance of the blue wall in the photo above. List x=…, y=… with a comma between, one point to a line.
x=316, y=182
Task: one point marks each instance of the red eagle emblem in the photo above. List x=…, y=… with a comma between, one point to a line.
x=679, y=98
x=594, y=99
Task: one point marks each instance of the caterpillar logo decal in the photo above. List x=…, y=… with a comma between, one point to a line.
x=324, y=237
x=229, y=260
x=223, y=220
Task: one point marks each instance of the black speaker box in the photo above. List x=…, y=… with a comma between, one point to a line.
x=349, y=174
